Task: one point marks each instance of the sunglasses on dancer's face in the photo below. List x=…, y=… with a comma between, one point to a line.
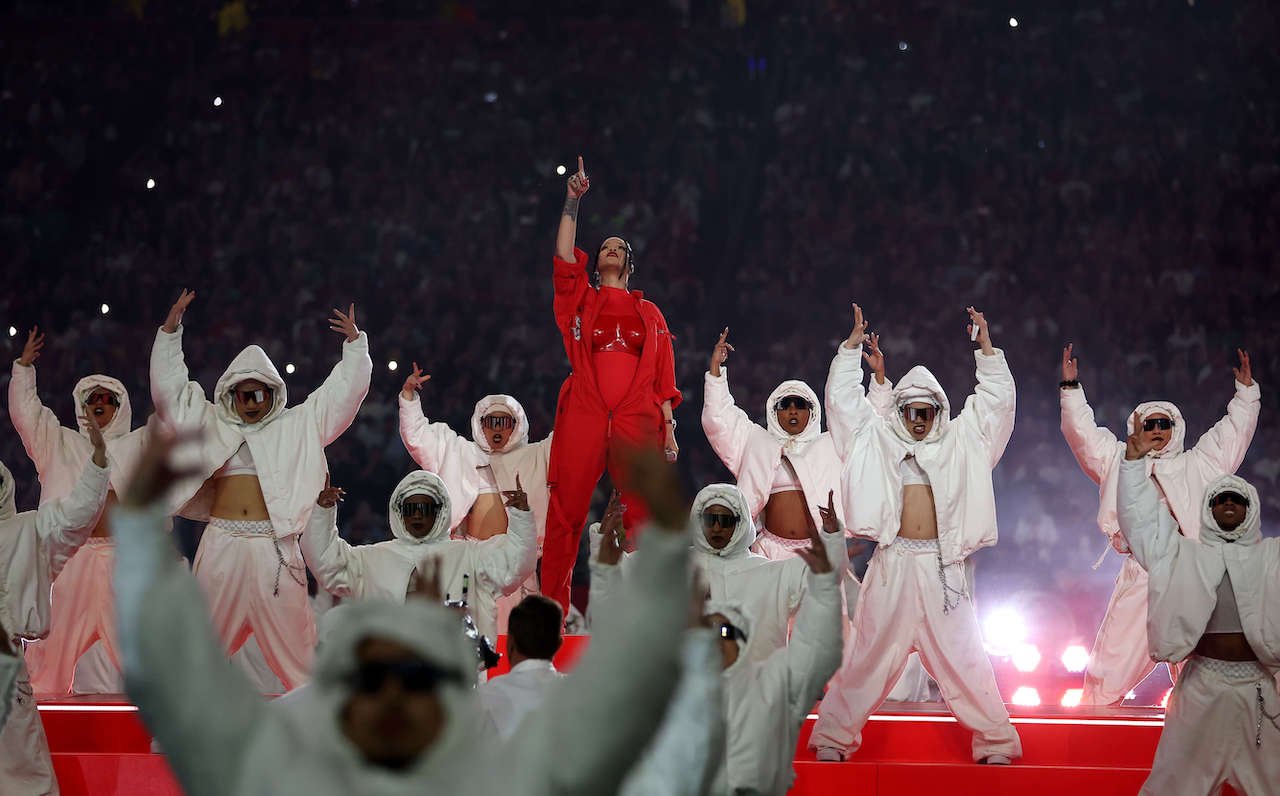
x=1229, y=497
x=103, y=398
x=711, y=520
x=792, y=402
x=258, y=395
x=919, y=414
x=1162, y=423
x=497, y=422
x=730, y=632
x=415, y=676
x=419, y=508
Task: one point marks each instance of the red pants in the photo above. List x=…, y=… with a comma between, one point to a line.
x=588, y=439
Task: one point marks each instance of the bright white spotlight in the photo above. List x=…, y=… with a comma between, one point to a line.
x=902, y=45
x=1164, y=700
x=289, y=368
x=392, y=365
x=561, y=170
x=1026, y=696
x=491, y=97
x=1075, y=658
x=1026, y=657
x=150, y=183
x=106, y=308
x=13, y=331
x=1072, y=698
x=1132, y=695
x=217, y=102
x=1013, y=22
x=1003, y=631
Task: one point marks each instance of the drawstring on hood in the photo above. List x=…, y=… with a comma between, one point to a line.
x=1247, y=532
x=920, y=386
x=487, y=406
x=794, y=443
x=121, y=423
x=729, y=496
x=1177, y=434
x=251, y=363
x=420, y=482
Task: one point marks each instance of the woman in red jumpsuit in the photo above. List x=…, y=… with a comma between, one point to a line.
x=619, y=394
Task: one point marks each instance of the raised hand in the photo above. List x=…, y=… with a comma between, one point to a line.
x=174, y=319
x=516, y=498
x=815, y=555
x=656, y=481
x=874, y=357
x=31, y=351
x=614, y=539
x=96, y=439
x=1070, y=369
x=579, y=182
x=830, y=522
x=331, y=495
x=859, y=332
x=979, y=321
x=1244, y=373
x=1136, y=447
x=156, y=471
x=424, y=583
x=720, y=354
x=345, y=323
x=413, y=382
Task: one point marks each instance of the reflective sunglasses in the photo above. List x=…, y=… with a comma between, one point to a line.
x=792, y=402
x=104, y=398
x=710, y=520
x=497, y=421
x=1162, y=423
x=1229, y=497
x=415, y=676
x=255, y=396
x=730, y=631
x=919, y=413
x=417, y=508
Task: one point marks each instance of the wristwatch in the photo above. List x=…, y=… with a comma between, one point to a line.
x=671, y=422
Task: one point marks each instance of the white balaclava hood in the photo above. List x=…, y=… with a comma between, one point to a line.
x=1247, y=532
x=794, y=443
x=488, y=405
x=251, y=363
x=920, y=386
x=420, y=482
x=729, y=496
x=123, y=420
x=8, y=506
x=1177, y=434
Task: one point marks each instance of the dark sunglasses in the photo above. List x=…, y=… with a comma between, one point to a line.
x=419, y=509
x=415, y=676
x=792, y=402
x=1162, y=423
x=257, y=396
x=1229, y=497
x=710, y=520
x=497, y=421
x=915, y=413
x=103, y=398
x=730, y=631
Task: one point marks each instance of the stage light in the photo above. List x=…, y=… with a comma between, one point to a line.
x=1026, y=697
x=1013, y=22
x=902, y=45
x=1072, y=698
x=1026, y=657
x=560, y=170
x=217, y=102
x=1075, y=658
x=106, y=308
x=289, y=368
x=491, y=97
x=1003, y=631
x=150, y=183
x=13, y=331
x=392, y=365
x=1132, y=695
x=1164, y=700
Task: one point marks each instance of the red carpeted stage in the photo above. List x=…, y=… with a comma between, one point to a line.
x=101, y=748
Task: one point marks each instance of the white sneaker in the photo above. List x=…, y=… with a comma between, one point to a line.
x=830, y=754
x=997, y=760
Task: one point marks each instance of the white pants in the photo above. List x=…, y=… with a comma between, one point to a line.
x=80, y=655
x=26, y=769
x=902, y=609
x=1120, y=659
x=256, y=586
x=1211, y=732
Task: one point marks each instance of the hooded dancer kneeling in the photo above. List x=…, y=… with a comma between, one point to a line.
x=80, y=654
x=479, y=470
x=419, y=512
x=919, y=484
x=1215, y=604
x=265, y=463
x=34, y=547
x=1119, y=660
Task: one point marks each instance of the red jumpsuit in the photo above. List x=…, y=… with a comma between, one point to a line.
x=597, y=416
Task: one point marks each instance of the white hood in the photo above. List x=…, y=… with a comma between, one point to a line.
x=794, y=443
x=123, y=420
x=8, y=508
x=729, y=496
x=1179, y=431
x=420, y=482
x=251, y=363
x=506, y=403
x=1248, y=532
x=917, y=382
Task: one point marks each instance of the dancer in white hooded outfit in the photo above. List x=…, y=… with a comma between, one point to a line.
x=79, y=655
x=10, y=650
x=1120, y=660
x=478, y=470
x=34, y=547
x=419, y=512
x=1214, y=603
x=392, y=710
x=919, y=484
x=265, y=464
